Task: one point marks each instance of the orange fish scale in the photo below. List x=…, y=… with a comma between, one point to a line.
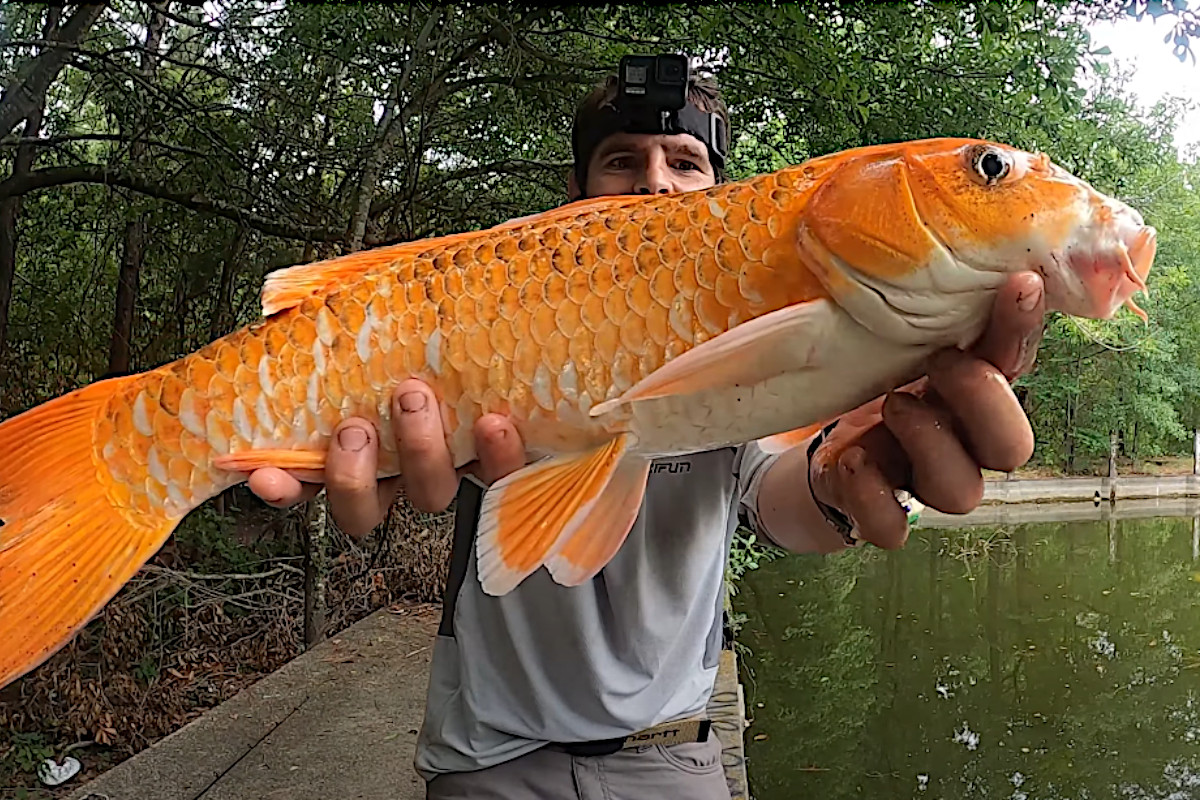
x=194, y=449
x=648, y=361
x=531, y=295
x=615, y=307
x=554, y=290
x=479, y=345
x=475, y=381
x=597, y=380
x=509, y=303
x=219, y=428
x=607, y=250
x=499, y=377
x=591, y=312
x=556, y=353
x=502, y=339
x=179, y=470
x=638, y=298
x=600, y=277
x=335, y=392
x=710, y=313
x=506, y=248
x=646, y=259
x=166, y=426
x=487, y=309
x=657, y=325
x=633, y=332
x=542, y=324
x=567, y=318
x=526, y=359
x=121, y=465
x=170, y=392
x=427, y=322
x=454, y=350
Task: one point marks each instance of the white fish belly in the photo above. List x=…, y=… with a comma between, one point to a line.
x=853, y=367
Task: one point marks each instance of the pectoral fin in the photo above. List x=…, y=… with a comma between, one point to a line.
x=570, y=513
x=602, y=531
x=750, y=353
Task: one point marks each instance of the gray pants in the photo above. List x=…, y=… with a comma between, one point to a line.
x=691, y=770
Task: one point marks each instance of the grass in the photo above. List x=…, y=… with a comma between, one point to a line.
x=1163, y=465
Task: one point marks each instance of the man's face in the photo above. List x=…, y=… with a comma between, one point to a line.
x=646, y=163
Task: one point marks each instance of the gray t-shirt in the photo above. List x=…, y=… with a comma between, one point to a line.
x=637, y=645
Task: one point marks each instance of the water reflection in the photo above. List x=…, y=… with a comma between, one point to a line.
x=1048, y=660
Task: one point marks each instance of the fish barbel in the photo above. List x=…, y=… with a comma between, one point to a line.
x=612, y=330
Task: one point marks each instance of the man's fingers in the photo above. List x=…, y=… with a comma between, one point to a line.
x=350, y=478
x=277, y=488
x=1015, y=328
x=867, y=498
x=857, y=474
x=944, y=475
x=499, y=446
x=430, y=480
x=988, y=414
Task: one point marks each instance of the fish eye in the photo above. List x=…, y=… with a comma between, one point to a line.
x=990, y=164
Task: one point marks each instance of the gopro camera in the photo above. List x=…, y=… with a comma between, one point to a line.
x=651, y=87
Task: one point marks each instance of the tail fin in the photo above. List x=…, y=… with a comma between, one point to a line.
x=65, y=548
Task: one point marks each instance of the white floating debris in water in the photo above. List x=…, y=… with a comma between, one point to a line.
x=967, y=736
x=943, y=691
x=1102, y=646
x=922, y=782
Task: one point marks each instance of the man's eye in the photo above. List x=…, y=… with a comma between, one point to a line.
x=686, y=165
x=621, y=162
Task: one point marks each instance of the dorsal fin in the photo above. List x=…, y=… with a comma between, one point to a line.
x=290, y=286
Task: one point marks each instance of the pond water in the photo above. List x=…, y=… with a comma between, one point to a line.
x=1033, y=661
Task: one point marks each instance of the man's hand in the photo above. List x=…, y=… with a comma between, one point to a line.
x=933, y=438
x=357, y=500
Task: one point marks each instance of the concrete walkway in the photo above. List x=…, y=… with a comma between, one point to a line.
x=1084, y=499
x=1089, y=488
x=340, y=722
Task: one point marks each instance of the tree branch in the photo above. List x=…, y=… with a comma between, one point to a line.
x=515, y=166
x=97, y=174
x=53, y=141
x=41, y=72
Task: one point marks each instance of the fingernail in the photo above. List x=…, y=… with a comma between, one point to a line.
x=412, y=401
x=1027, y=301
x=353, y=439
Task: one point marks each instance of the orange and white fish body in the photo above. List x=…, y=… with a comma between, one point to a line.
x=612, y=331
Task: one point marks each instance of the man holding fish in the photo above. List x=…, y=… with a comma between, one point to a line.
x=534, y=693
x=676, y=354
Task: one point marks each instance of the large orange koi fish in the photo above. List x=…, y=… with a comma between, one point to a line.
x=612, y=330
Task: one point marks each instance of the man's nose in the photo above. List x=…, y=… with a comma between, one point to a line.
x=655, y=178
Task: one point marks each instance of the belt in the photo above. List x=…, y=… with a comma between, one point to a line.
x=668, y=733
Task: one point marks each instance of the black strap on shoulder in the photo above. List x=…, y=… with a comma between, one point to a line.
x=466, y=523
x=836, y=519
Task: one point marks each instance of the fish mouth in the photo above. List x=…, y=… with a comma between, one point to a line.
x=1100, y=274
